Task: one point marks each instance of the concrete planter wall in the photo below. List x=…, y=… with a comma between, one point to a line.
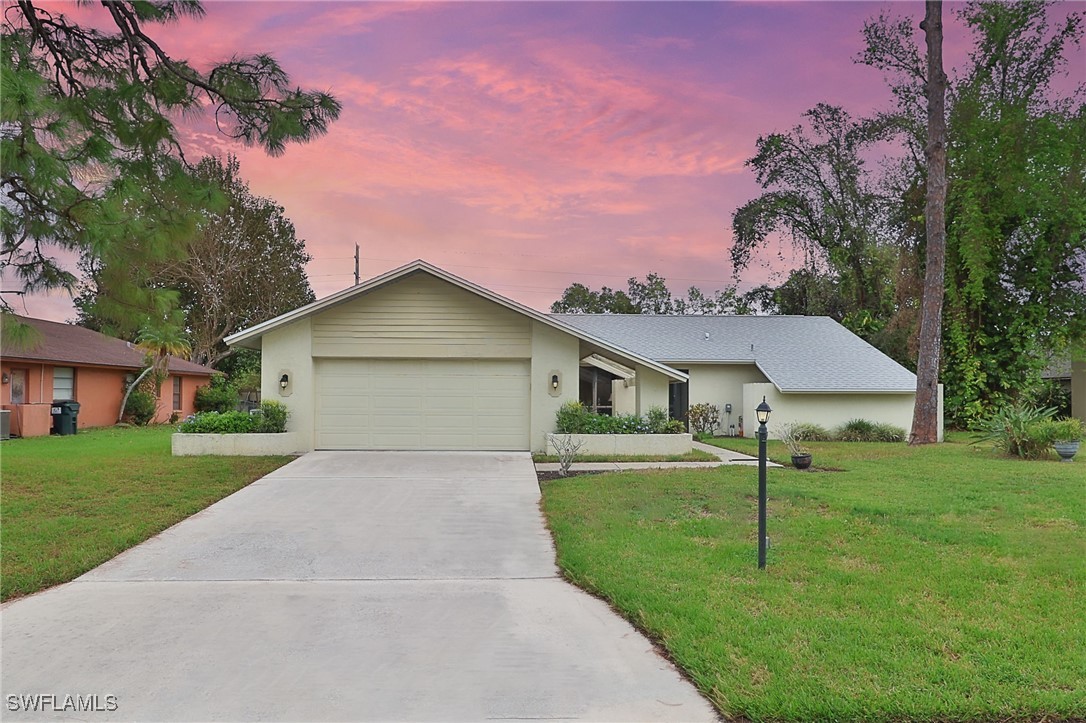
x=235, y=445
x=628, y=444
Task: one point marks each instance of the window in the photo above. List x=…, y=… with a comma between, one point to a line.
x=177, y=393
x=596, y=390
x=63, y=383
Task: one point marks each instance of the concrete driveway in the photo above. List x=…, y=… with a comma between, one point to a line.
x=343, y=586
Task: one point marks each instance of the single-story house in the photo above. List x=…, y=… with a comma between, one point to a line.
x=808, y=368
x=418, y=358
x=70, y=362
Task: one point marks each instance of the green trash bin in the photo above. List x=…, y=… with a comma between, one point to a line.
x=65, y=416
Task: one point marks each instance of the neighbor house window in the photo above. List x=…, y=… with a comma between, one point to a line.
x=177, y=392
x=63, y=383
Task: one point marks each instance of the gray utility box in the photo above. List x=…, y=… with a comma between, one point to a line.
x=65, y=416
x=5, y=424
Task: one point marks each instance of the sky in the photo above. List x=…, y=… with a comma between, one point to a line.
x=527, y=146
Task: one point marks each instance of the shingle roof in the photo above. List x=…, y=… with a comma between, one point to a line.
x=68, y=344
x=796, y=353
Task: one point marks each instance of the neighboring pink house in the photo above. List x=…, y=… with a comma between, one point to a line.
x=70, y=362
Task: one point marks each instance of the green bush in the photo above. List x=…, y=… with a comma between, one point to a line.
x=862, y=430
x=220, y=423
x=856, y=430
x=575, y=418
x=273, y=417
x=1018, y=430
x=220, y=396
x=1069, y=429
x=704, y=418
x=140, y=407
x=807, y=432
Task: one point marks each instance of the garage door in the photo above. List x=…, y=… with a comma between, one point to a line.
x=422, y=404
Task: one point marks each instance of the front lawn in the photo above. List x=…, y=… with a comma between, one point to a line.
x=68, y=504
x=931, y=583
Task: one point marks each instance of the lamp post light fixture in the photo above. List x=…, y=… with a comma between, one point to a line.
x=762, y=411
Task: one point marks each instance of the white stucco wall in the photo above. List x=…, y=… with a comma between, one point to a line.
x=828, y=410
x=721, y=384
x=624, y=396
x=651, y=390
x=288, y=349
x=627, y=444
x=552, y=351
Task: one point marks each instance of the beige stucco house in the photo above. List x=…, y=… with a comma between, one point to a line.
x=418, y=358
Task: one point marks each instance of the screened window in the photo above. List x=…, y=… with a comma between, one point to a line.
x=177, y=392
x=596, y=390
x=63, y=383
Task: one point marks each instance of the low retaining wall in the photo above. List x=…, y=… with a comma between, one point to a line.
x=628, y=444
x=235, y=445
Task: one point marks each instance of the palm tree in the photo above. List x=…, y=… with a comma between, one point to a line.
x=161, y=341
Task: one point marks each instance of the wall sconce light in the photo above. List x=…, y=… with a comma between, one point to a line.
x=554, y=382
x=284, y=381
x=5, y=378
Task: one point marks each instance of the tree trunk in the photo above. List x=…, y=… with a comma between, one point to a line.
x=926, y=412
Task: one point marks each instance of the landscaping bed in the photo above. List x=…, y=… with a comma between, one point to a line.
x=70, y=503
x=932, y=583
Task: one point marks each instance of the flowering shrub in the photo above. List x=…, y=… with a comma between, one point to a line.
x=575, y=418
x=272, y=417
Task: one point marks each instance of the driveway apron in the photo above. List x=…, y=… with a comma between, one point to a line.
x=343, y=586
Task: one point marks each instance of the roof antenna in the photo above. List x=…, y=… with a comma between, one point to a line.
x=752, y=347
x=706, y=335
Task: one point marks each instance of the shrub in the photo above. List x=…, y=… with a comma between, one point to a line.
x=789, y=436
x=575, y=418
x=140, y=407
x=1069, y=429
x=856, y=430
x=862, y=430
x=220, y=396
x=807, y=432
x=889, y=433
x=567, y=449
x=704, y=418
x=220, y=423
x=1017, y=430
x=273, y=417
x=659, y=422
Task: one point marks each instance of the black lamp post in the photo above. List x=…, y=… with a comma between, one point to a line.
x=762, y=411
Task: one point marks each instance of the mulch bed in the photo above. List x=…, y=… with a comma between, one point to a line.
x=551, y=476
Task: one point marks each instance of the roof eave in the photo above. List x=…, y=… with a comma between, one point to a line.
x=252, y=335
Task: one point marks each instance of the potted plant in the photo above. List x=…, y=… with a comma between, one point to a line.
x=1067, y=437
x=801, y=456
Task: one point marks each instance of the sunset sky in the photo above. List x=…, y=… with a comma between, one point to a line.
x=525, y=146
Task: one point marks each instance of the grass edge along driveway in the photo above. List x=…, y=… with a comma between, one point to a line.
x=932, y=583
x=68, y=504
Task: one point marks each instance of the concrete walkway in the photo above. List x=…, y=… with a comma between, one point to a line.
x=726, y=456
x=344, y=586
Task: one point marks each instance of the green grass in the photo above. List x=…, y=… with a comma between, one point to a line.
x=932, y=583
x=694, y=455
x=69, y=504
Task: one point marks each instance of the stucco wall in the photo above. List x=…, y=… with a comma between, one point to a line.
x=651, y=389
x=552, y=351
x=99, y=393
x=288, y=349
x=627, y=444
x=721, y=384
x=828, y=410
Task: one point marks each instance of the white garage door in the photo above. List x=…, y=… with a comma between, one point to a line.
x=422, y=404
